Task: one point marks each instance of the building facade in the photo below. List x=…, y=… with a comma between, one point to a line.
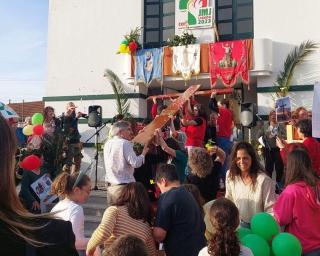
x=83, y=38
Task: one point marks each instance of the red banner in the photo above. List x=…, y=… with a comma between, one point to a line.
x=227, y=61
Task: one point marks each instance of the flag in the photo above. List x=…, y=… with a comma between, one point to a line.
x=227, y=61
x=148, y=65
x=186, y=60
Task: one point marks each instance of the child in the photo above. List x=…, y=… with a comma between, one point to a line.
x=224, y=217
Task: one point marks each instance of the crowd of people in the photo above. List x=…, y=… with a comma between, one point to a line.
x=159, y=195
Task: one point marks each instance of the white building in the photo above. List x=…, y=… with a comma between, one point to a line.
x=84, y=36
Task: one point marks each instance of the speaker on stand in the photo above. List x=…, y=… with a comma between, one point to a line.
x=248, y=113
x=95, y=120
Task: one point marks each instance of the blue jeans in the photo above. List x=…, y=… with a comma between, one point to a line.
x=225, y=144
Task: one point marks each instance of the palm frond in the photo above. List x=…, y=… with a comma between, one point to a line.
x=123, y=104
x=294, y=58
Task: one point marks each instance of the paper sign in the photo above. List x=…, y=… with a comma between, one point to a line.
x=283, y=110
x=315, y=111
x=42, y=188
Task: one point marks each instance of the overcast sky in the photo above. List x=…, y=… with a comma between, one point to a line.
x=23, y=48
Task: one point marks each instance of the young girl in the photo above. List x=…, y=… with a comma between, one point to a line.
x=224, y=217
x=75, y=188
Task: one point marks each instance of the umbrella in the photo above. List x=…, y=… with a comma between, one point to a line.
x=7, y=112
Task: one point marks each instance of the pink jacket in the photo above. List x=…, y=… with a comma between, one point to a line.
x=298, y=209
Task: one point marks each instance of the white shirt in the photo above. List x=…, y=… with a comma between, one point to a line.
x=120, y=161
x=244, y=251
x=70, y=211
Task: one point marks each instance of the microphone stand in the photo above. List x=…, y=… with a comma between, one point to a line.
x=96, y=157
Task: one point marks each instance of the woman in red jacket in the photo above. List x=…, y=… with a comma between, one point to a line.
x=298, y=206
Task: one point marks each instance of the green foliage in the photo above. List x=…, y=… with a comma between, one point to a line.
x=134, y=36
x=294, y=58
x=184, y=39
x=123, y=103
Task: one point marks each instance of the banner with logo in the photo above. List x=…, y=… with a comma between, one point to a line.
x=148, y=65
x=193, y=14
x=228, y=60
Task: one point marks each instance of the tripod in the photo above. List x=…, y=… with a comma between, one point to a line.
x=96, y=157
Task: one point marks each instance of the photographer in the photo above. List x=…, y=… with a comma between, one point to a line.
x=72, y=145
x=271, y=151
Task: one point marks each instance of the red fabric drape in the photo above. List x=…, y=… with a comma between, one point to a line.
x=227, y=61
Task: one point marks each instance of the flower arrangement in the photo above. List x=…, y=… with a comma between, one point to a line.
x=184, y=39
x=130, y=43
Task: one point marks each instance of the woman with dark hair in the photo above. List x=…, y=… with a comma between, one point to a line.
x=75, y=188
x=298, y=206
x=131, y=214
x=304, y=130
x=313, y=146
x=195, y=128
x=224, y=218
x=247, y=185
x=20, y=231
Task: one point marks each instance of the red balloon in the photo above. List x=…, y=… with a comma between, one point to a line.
x=38, y=129
x=30, y=163
x=133, y=46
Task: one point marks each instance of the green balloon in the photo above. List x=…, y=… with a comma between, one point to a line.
x=264, y=225
x=37, y=118
x=257, y=245
x=286, y=244
x=242, y=232
x=125, y=41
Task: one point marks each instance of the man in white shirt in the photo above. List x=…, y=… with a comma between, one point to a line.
x=120, y=159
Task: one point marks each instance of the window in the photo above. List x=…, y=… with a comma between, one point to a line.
x=234, y=19
x=159, y=22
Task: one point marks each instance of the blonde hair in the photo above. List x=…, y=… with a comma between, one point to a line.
x=12, y=212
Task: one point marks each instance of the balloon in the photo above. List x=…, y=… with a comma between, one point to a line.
x=257, y=244
x=242, y=232
x=122, y=48
x=286, y=244
x=37, y=118
x=125, y=41
x=30, y=163
x=264, y=225
x=27, y=130
x=127, y=50
x=133, y=46
x=38, y=129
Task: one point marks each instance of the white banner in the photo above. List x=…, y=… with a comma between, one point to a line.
x=316, y=111
x=193, y=14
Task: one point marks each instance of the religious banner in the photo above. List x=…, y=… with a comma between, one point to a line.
x=227, y=61
x=186, y=60
x=147, y=134
x=148, y=65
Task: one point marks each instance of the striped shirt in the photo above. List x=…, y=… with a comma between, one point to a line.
x=116, y=222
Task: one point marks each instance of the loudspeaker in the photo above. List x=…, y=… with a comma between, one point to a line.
x=95, y=116
x=248, y=113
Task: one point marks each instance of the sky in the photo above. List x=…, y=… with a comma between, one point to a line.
x=23, y=49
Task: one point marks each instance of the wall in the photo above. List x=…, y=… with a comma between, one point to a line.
x=83, y=40
x=288, y=23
